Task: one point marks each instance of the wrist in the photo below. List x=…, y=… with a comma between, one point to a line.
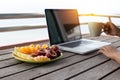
x=116, y=56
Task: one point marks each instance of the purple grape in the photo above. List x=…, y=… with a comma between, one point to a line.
x=41, y=53
x=58, y=53
x=55, y=48
x=51, y=54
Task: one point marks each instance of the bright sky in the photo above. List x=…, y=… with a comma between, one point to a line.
x=84, y=6
x=38, y=6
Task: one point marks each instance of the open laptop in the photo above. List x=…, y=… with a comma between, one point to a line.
x=64, y=31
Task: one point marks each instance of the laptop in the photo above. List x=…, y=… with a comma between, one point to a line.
x=64, y=31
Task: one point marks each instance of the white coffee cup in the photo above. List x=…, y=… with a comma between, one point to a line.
x=95, y=28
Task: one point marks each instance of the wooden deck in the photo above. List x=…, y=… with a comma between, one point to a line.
x=72, y=66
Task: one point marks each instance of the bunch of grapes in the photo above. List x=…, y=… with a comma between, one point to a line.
x=51, y=52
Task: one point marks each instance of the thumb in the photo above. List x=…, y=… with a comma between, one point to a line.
x=111, y=25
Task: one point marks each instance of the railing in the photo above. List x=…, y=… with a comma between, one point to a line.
x=20, y=16
x=99, y=15
x=30, y=15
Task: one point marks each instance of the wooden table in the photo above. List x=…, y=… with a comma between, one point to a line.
x=72, y=66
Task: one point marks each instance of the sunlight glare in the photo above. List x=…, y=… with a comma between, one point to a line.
x=98, y=6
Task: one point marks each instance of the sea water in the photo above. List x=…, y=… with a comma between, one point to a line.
x=15, y=37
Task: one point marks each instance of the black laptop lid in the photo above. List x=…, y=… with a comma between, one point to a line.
x=63, y=25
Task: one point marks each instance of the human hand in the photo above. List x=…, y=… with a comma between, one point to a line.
x=111, y=29
x=109, y=51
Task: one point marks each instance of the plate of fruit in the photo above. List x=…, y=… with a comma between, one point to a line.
x=37, y=53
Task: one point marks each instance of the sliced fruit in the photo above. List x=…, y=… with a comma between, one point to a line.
x=29, y=57
x=44, y=46
x=37, y=53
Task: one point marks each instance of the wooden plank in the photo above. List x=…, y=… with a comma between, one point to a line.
x=4, y=57
x=14, y=69
x=21, y=67
x=5, y=51
x=114, y=76
x=78, y=68
x=7, y=63
x=97, y=72
x=103, y=38
x=87, y=36
x=44, y=69
x=9, y=55
x=12, y=61
x=116, y=44
x=24, y=70
x=100, y=38
x=112, y=40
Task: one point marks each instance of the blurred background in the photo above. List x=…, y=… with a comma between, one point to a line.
x=24, y=21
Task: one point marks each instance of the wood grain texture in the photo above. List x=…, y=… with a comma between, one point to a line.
x=5, y=51
x=4, y=57
x=21, y=67
x=97, y=72
x=44, y=69
x=113, y=76
x=9, y=62
x=72, y=66
x=74, y=69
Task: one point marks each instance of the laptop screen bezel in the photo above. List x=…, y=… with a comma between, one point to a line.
x=57, y=24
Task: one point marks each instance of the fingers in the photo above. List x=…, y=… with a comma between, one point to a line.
x=102, y=50
x=106, y=49
x=107, y=28
x=110, y=28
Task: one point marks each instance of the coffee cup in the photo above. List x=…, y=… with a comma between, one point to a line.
x=95, y=28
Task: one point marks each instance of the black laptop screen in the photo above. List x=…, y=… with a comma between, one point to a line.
x=63, y=25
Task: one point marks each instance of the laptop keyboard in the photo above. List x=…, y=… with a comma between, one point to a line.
x=76, y=43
